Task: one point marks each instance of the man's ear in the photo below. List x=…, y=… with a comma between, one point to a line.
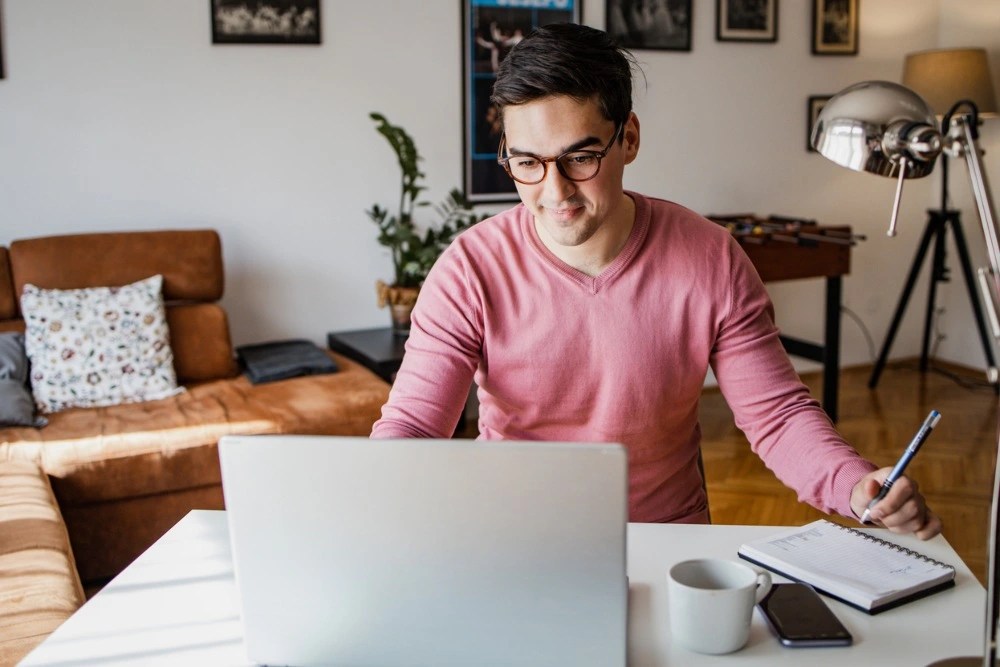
x=631, y=141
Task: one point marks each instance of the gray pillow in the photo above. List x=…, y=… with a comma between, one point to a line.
x=17, y=407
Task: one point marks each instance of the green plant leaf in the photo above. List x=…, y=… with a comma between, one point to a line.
x=414, y=253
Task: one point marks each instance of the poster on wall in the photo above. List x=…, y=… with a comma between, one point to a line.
x=490, y=29
x=265, y=21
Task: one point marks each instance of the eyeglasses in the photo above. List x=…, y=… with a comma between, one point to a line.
x=576, y=165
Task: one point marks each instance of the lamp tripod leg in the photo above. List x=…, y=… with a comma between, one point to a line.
x=977, y=310
x=904, y=298
x=939, y=273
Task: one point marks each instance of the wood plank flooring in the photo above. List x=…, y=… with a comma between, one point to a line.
x=954, y=469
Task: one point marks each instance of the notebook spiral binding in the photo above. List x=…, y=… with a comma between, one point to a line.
x=892, y=545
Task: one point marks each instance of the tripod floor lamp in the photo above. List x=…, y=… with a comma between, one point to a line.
x=887, y=129
x=942, y=78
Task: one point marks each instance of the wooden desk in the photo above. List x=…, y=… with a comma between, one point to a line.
x=803, y=253
x=177, y=605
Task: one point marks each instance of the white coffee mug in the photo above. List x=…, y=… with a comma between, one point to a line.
x=711, y=603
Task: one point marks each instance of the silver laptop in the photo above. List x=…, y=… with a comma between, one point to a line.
x=350, y=551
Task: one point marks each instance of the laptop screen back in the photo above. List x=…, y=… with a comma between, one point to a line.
x=428, y=552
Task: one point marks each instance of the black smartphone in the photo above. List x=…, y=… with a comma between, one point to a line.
x=800, y=617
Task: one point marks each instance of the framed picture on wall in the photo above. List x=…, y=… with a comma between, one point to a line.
x=489, y=30
x=746, y=20
x=663, y=25
x=814, y=106
x=265, y=21
x=835, y=27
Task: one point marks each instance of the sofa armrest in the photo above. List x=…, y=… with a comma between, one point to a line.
x=39, y=586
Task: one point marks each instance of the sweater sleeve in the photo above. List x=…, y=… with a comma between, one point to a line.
x=785, y=425
x=442, y=353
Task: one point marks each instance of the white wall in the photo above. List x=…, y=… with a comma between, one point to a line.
x=119, y=114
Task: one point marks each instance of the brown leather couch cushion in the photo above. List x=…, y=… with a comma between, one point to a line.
x=189, y=260
x=124, y=474
x=39, y=586
x=199, y=338
x=11, y=325
x=8, y=298
x=141, y=449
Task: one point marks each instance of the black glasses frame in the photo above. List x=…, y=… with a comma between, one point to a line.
x=600, y=155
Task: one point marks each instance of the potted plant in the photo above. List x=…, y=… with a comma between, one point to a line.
x=414, y=250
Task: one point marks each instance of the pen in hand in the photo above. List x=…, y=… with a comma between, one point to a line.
x=904, y=460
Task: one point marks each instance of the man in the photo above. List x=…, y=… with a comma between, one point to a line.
x=589, y=313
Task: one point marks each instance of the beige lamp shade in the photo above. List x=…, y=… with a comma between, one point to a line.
x=945, y=76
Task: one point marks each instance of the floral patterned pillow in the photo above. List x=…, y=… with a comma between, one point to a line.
x=98, y=346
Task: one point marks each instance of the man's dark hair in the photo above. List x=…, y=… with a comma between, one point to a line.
x=567, y=59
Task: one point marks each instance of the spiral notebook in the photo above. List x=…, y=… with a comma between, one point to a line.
x=853, y=566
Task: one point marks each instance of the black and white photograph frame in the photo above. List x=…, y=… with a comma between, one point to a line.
x=746, y=20
x=265, y=21
x=835, y=27
x=661, y=25
x=489, y=30
x=814, y=106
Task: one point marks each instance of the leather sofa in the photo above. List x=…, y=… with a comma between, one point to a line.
x=123, y=475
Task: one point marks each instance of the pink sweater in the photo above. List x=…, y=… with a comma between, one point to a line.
x=560, y=356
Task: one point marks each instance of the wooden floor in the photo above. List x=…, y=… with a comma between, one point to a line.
x=954, y=469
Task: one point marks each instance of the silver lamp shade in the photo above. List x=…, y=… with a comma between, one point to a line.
x=878, y=127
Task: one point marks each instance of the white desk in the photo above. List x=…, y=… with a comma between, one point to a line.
x=176, y=605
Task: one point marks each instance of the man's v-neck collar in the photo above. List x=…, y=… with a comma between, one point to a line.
x=594, y=284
